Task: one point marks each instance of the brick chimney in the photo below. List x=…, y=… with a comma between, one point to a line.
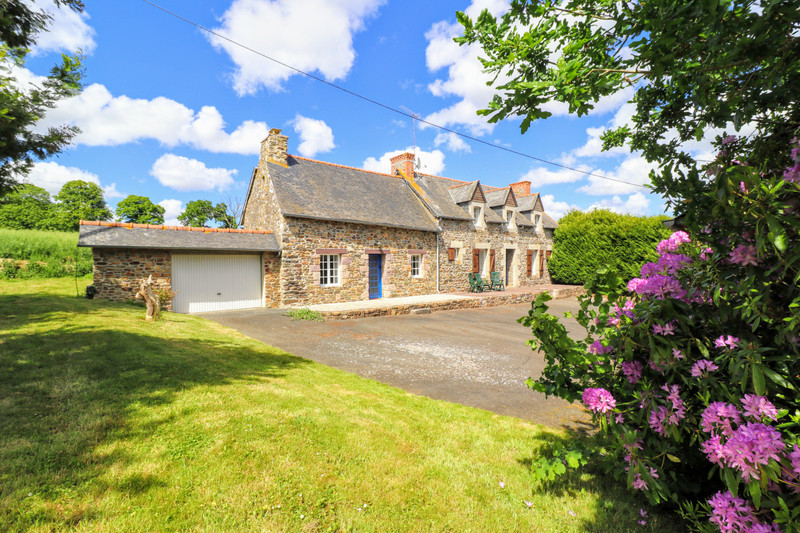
x=405, y=164
x=273, y=148
x=521, y=188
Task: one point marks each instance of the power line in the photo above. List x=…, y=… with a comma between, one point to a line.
x=385, y=106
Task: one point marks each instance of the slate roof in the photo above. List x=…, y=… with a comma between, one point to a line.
x=312, y=189
x=527, y=203
x=497, y=197
x=95, y=234
x=548, y=222
x=442, y=199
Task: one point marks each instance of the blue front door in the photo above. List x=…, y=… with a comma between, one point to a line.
x=375, y=275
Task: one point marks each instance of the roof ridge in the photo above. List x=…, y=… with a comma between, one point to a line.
x=463, y=182
x=131, y=225
x=461, y=185
x=344, y=166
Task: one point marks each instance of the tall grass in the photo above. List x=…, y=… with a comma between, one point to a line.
x=42, y=254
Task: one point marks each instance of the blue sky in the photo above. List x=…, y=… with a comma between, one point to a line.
x=175, y=114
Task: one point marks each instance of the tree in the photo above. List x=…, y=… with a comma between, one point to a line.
x=693, y=66
x=27, y=207
x=140, y=210
x=79, y=200
x=22, y=107
x=200, y=212
x=197, y=213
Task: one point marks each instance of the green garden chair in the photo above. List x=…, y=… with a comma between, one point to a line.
x=473, y=285
x=497, y=281
x=482, y=285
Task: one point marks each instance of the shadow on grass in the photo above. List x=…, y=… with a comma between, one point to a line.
x=617, y=508
x=72, y=372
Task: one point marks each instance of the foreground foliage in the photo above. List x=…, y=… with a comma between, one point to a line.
x=584, y=242
x=692, y=371
x=113, y=424
x=42, y=254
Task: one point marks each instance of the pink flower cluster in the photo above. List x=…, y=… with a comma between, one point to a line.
x=747, y=447
x=632, y=370
x=703, y=367
x=599, y=400
x=730, y=342
x=673, y=243
x=744, y=255
x=661, y=416
x=666, y=329
x=731, y=514
x=619, y=312
x=792, y=173
x=597, y=348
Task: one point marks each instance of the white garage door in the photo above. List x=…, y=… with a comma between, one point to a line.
x=216, y=282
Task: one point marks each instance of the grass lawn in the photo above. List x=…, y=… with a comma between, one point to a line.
x=109, y=423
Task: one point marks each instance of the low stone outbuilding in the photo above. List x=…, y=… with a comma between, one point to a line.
x=326, y=233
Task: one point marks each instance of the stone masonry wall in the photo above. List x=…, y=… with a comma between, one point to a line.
x=463, y=235
x=305, y=240
x=272, y=280
x=262, y=206
x=118, y=272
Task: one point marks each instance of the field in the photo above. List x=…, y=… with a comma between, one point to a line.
x=109, y=423
x=42, y=254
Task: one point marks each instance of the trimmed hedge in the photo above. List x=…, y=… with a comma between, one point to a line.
x=584, y=242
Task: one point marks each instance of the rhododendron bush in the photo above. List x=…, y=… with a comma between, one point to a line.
x=691, y=370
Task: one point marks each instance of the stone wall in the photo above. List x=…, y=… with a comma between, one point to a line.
x=305, y=240
x=262, y=207
x=272, y=280
x=118, y=272
x=463, y=236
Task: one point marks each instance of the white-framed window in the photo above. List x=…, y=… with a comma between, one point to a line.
x=476, y=215
x=329, y=269
x=536, y=220
x=416, y=266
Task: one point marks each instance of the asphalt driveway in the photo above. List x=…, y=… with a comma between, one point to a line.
x=475, y=357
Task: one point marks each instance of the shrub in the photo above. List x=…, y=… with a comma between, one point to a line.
x=305, y=314
x=692, y=370
x=584, y=242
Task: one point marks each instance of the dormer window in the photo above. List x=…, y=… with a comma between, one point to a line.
x=476, y=215
x=537, y=219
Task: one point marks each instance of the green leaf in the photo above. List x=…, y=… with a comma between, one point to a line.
x=673, y=458
x=758, y=379
x=777, y=234
x=731, y=481
x=755, y=493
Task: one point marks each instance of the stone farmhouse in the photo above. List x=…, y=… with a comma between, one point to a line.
x=316, y=232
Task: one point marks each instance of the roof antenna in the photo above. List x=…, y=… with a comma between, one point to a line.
x=414, y=118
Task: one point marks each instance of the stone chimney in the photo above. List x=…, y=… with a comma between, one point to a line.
x=273, y=148
x=405, y=164
x=521, y=188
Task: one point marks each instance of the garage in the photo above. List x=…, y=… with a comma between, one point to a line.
x=206, y=282
x=208, y=269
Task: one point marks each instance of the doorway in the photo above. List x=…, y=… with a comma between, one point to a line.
x=375, y=276
x=509, y=270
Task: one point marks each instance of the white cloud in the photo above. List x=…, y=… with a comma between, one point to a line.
x=184, y=174
x=107, y=120
x=316, y=137
x=110, y=191
x=172, y=208
x=453, y=142
x=541, y=176
x=635, y=170
x=635, y=204
x=51, y=176
x=430, y=162
x=556, y=209
x=310, y=35
x=67, y=31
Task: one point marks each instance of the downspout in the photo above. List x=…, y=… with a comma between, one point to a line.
x=438, y=266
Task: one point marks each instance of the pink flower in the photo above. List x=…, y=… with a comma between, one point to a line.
x=677, y=354
x=598, y=348
x=728, y=139
x=720, y=415
x=730, y=513
x=752, y=445
x=795, y=458
x=730, y=342
x=758, y=406
x=639, y=483
x=598, y=400
x=744, y=255
x=792, y=174
x=666, y=329
x=703, y=367
x=673, y=243
x=632, y=370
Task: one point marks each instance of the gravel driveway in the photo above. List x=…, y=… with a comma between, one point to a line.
x=475, y=357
